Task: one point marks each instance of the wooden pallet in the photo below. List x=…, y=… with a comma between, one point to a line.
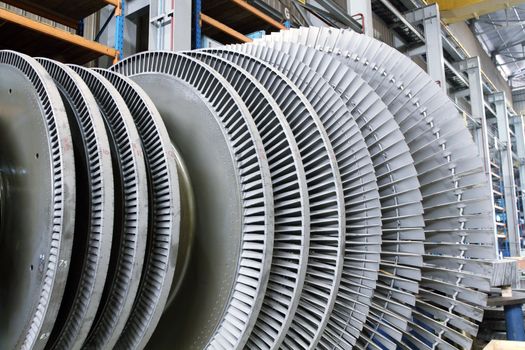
x=505, y=345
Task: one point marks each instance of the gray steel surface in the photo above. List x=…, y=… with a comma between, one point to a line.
x=399, y=189
x=312, y=189
x=163, y=223
x=291, y=201
x=130, y=209
x=455, y=194
x=326, y=257
x=226, y=325
x=38, y=212
x=95, y=192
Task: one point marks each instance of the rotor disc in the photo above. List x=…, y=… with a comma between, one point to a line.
x=312, y=189
x=448, y=165
x=130, y=210
x=94, y=215
x=325, y=261
x=38, y=178
x=162, y=222
x=397, y=179
x=292, y=212
x=348, y=311
x=210, y=104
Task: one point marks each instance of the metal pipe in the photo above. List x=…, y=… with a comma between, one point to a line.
x=58, y=33
x=224, y=28
x=259, y=14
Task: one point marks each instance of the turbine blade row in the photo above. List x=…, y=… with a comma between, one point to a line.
x=312, y=189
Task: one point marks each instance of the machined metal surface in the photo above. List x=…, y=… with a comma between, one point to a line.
x=94, y=183
x=221, y=325
x=37, y=172
x=130, y=211
x=325, y=263
x=455, y=194
x=163, y=221
x=402, y=240
x=291, y=201
x=312, y=189
x=402, y=219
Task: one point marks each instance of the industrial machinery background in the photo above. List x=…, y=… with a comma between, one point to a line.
x=312, y=189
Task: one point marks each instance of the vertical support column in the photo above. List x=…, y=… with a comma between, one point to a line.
x=511, y=209
x=170, y=25
x=182, y=25
x=197, y=8
x=472, y=67
x=362, y=8
x=519, y=133
x=431, y=19
x=119, y=32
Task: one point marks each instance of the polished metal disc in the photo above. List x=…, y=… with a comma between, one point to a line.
x=456, y=195
x=291, y=202
x=130, y=211
x=37, y=176
x=94, y=183
x=163, y=221
x=401, y=206
x=327, y=237
x=217, y=137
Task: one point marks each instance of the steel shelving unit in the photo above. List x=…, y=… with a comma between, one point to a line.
x=54, y=29
x=228, y=21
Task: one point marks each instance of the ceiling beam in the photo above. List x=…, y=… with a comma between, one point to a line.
x=498, y=26
x=506, y=46
x=515, y=60
x=517, y=73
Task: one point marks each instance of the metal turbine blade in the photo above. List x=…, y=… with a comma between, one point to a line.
x=162, y=222
x=402, y=220
x=130, y=210
x=309, y=320
x=37, y=172
x=456, y=196
x=95, y=192
x=291, y=202
x=312, y=189
x=210, y=90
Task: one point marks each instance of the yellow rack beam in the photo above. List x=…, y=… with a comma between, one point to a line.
x=58, y=33
x=116, y=3
x=453, y=11
x=224, y=28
